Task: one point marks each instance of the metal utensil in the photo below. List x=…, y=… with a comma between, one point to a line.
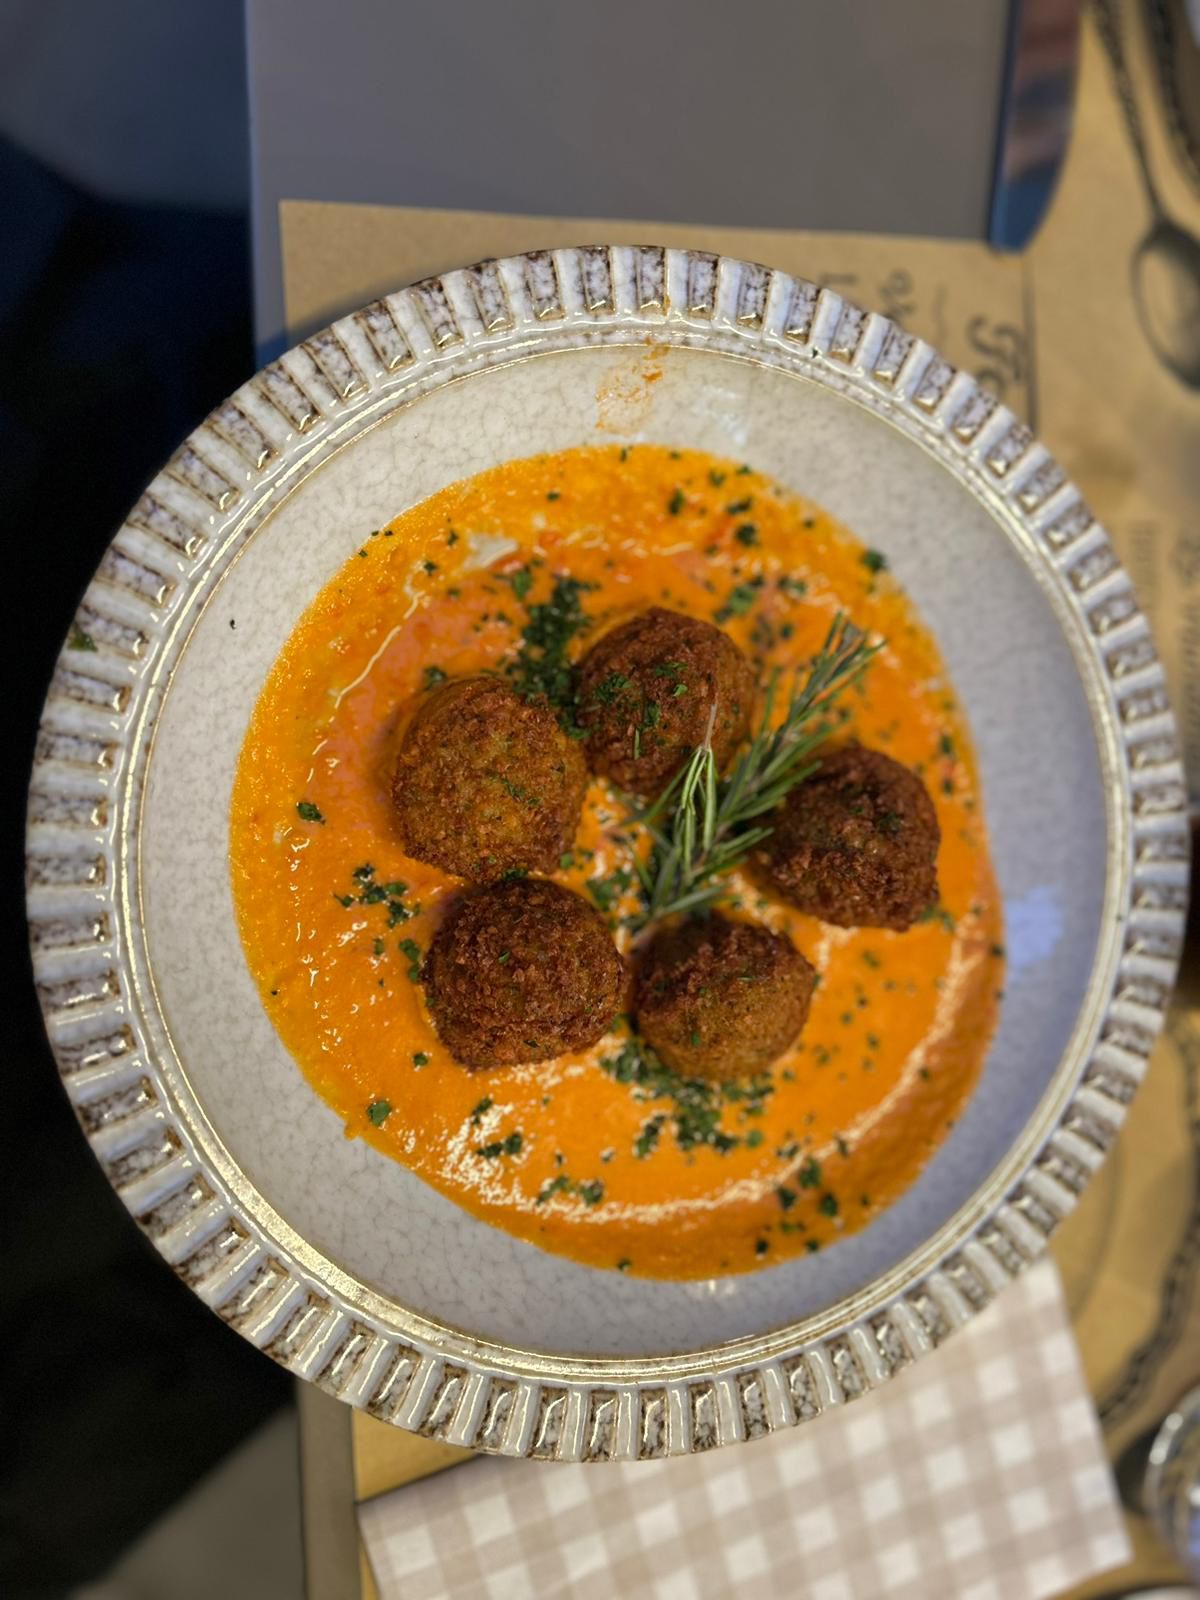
x=1165, y=269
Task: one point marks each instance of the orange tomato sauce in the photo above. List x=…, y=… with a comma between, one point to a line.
x=900, y=1023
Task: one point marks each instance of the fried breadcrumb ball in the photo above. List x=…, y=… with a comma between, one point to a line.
x=522, y=971
x=856, y=844
x=719, y=999
x=487, y=782
x=646, y=691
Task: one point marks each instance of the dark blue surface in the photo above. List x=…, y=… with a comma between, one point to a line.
x=120, y=327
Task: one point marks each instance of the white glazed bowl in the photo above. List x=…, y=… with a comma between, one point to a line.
x=345, y=1266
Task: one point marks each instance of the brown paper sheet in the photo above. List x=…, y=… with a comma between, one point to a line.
x=1056, y=332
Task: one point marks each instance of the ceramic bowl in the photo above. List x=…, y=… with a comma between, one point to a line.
x=343, y=1265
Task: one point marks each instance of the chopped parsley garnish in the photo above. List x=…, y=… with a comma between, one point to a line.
x=433, y=676
x=787, y=1197
x=624, y=1264
x=484, y=1106
x=522, y=582
x=430, y=567
x=541, y=668
x=78, y=639
x=747, y=534
x=421, y=1058
x=510, y=1145
x=610, y=689
x=677, y=502
x=828, y=1205
x=591, y=1192
x=739, y=600
x=647, y=1139
x=411, y=949
x=761, y=1247
x=809, y=1175
x=739, y=506
x=874, y=560
x=566, y=861
x=716, y=478
x=946, y=746
x=308, y=812
x=696, y=1106
x=560, y=1184
x=795, y=587
x=378, y=1112
x=607, y=891
x=515, y=792
x=371, y=893
x=937, y=913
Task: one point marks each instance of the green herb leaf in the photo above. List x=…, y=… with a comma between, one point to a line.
x=557, y=1185
x=647, y=1139
x=703, y=825
x=738, y=601
x=378, y=1112
x=308, y=812
x=78, y=639
x=542, y=669
x=433, y=677
x=508, y=1146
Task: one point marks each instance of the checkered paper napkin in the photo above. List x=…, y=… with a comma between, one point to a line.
x=978, y=1474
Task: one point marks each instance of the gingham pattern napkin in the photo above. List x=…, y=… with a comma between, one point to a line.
x=978, y=1474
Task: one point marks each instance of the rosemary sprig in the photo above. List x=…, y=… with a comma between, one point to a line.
x=702, y=825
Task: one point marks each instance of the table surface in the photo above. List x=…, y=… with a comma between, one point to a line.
x=416, y=105
x=1057, y=333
